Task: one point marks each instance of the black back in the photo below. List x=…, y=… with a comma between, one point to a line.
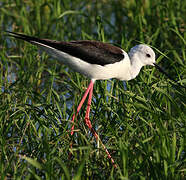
x=93, y=52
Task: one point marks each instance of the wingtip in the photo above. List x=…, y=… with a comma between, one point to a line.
x=20, y=36
x=14, y=34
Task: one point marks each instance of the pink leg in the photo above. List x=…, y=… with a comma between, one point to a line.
x=88, y=123
x=80, y=105
x=87, y=120
x=78, y=109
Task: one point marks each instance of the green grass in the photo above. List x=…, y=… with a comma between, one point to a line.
x=143, y=126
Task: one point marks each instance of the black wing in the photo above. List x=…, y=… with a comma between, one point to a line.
x=93, y=52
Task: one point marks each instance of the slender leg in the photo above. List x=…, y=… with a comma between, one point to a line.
x=80, y=105
x=78, y=109
x=88, y=123
x=87, y=120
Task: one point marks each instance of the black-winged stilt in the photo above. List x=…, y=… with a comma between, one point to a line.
x=96, y=60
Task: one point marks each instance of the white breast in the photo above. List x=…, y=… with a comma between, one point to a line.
x=93, y=71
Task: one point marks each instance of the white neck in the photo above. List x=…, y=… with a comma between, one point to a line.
x=135, y=67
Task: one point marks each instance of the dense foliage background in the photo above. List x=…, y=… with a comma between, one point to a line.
x=142, y=122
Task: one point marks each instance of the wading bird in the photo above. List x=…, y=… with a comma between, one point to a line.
x=97, y=61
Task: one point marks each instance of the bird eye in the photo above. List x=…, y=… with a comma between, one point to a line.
x=148, y=55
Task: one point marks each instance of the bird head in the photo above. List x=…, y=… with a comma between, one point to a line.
x=143, y=54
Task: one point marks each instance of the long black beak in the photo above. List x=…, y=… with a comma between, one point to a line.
x=162, y=71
